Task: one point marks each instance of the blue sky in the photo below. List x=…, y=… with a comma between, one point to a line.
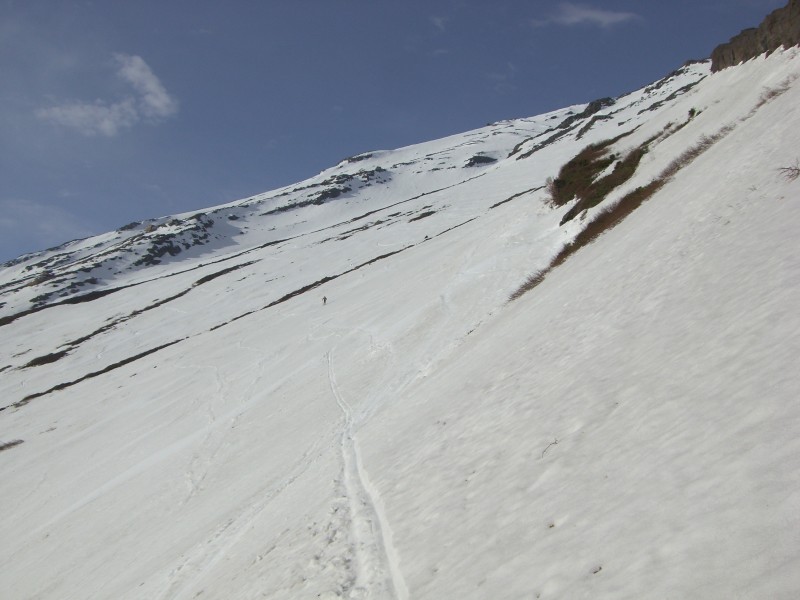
x=114, y=111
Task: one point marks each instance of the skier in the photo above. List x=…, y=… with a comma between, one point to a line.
x=324, y=300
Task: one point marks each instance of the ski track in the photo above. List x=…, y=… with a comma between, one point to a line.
x=202, y=460
x=196, y=564
x=378, y=573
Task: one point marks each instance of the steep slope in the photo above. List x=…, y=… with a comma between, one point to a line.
x=196, y=423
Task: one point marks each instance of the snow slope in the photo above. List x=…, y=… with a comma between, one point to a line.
x=196, y=423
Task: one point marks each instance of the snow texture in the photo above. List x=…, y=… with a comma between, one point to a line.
x=183, y=417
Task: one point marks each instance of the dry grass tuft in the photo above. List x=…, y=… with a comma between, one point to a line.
x=531, y=282
x=792, y=172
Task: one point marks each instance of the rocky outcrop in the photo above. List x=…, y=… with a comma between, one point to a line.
x=780, y=28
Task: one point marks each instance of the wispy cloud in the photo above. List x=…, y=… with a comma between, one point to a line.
x=569, y=14
x=504, y=79
x=96, y=118
x=439, y=22
x=149, y=101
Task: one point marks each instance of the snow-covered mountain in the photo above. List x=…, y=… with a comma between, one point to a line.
x=327, y=391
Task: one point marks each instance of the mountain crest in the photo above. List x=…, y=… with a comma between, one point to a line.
x=781, y=28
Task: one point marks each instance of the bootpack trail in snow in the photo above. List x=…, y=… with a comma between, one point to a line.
x=377, y=570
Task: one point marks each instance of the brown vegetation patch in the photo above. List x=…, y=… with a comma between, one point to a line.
x=213, y=276
x=515, y=196
x=615, y=214
x=11, y=444
x=46, y=359
x=427, y=213
x=62, y=386
x=578, y=176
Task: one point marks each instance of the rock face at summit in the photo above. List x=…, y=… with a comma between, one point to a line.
x=779, y=28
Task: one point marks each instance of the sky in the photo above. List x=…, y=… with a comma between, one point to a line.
x=115, y=111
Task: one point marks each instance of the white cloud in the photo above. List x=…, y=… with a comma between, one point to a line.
x=154, y=101
x=570, y=14
x=97, y=118
x=149, y=101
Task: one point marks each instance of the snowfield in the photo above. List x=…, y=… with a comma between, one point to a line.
x=196, y=423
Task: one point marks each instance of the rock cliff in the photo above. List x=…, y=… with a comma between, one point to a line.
x=780, y=28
